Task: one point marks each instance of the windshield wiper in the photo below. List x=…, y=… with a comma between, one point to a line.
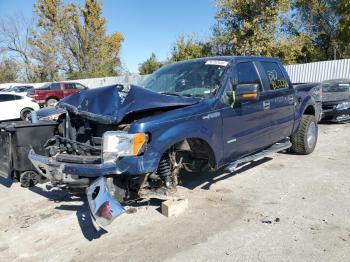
x=169, y=94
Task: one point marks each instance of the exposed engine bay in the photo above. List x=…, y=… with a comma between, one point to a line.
x=78, y=140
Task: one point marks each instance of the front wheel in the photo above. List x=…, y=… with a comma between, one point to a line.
x=305, y=138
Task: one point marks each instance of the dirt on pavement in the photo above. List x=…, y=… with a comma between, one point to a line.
x=281, y=208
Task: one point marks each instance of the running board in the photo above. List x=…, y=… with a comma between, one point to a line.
x=284, y=144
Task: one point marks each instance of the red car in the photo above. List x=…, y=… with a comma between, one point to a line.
x=50, y=93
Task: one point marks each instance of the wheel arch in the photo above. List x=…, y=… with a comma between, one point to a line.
x=24, y=109
x=51, y=97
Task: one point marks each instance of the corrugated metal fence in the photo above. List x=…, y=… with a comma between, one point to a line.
x=319, y=71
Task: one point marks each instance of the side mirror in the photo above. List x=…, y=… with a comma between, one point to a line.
x=247, y=92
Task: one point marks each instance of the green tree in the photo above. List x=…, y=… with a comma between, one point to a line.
x=75, y=37
x=150, y=65
x=189, y=47
x=343, y=12
x=8, y=71
x=248, y=27
x=318, y=20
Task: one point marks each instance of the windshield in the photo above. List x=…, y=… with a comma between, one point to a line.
x=340, y=86
x=192, y=78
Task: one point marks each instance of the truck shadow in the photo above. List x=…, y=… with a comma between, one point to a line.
x=206, y=179
x=82, y=211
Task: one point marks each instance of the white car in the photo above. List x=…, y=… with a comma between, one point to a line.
x=15, y=106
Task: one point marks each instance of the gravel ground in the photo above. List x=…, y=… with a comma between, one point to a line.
x=282, y=208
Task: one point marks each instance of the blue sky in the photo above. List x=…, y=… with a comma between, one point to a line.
x=148, y=26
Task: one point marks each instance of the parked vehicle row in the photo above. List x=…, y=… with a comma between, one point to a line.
x=21, y=89
x=17, y=102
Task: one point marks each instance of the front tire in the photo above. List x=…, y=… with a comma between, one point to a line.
x=304, y=140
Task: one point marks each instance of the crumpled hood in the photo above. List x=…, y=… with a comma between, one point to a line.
x=110, y=104
x=335, y=96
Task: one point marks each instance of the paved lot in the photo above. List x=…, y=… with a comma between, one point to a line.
x=283, y=208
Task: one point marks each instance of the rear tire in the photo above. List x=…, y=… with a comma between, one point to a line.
x=51, y=102
x=25, y=113
x=304, y=140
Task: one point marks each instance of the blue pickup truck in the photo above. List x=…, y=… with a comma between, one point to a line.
x=121, y=142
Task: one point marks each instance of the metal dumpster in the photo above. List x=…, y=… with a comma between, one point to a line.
x=16, y=140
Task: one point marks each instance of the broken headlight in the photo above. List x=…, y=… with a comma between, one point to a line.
x=118, y=144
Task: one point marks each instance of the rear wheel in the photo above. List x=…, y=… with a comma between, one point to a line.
x=305, y=138
x=25, y=113
x=51, y=102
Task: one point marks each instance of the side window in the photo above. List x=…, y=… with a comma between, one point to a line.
x=17, y=97
x=7, y=98
x=242, y=73
x=69, y=86
x=274, y=75
x=247, y=74
x=55, y=86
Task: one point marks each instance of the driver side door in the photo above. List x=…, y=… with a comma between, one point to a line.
x=246, y=125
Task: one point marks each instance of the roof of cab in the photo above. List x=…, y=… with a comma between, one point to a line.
x=230, y=58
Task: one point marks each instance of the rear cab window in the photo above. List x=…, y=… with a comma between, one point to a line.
x=275, y=78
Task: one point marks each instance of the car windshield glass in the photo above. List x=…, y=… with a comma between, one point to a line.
x=192, y=78
x=329, y=87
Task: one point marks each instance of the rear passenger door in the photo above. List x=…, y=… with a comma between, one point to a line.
x=279, y=95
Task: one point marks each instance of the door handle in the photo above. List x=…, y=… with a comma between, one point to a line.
x=266, y=105
x=291, y=99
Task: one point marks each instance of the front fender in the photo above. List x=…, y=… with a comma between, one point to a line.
x=207, y=129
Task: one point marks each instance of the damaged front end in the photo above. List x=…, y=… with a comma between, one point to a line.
x=93, y=149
